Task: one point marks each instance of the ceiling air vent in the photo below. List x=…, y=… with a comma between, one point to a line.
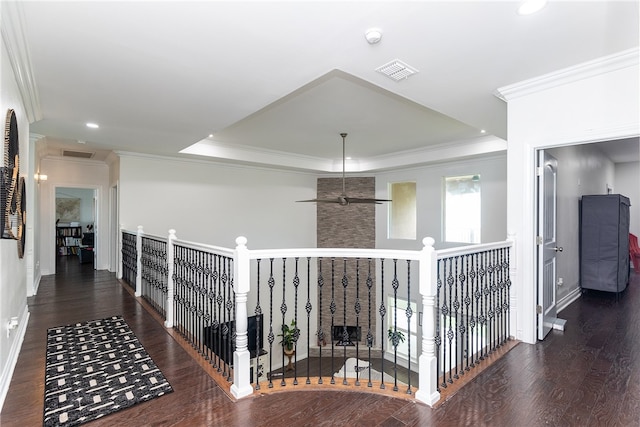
x=78, y=154
x=396, y=70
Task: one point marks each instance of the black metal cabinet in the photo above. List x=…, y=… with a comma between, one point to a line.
x=604, y=242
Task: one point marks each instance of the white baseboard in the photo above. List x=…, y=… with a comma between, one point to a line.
x=568, y=299
x=14, y=352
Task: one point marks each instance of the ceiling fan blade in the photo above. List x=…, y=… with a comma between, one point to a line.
x=360, y=200
x=319, y=201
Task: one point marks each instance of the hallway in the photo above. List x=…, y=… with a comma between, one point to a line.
x=588, y=375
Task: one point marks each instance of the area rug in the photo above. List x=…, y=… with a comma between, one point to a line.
x=361, y=369
x=96, y=368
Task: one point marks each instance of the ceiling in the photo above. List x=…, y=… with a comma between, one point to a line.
x=277, y=82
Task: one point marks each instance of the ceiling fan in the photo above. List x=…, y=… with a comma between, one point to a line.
x=343, y=199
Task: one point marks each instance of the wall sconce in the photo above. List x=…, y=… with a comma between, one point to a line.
x=40, y=177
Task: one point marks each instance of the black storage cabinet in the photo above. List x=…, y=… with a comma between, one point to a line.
x=604, y=242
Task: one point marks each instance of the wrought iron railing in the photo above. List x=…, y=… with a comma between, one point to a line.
x=204, y=302
x=129, y=258
x=154, y=275
x=408, y=321
x=474, y=301
x=333, y=304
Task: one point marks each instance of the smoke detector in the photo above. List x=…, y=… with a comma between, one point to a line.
x=373, y=35
x=396, y=70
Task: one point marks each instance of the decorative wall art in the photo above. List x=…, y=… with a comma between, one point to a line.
x=12, y=190
x=67, y=210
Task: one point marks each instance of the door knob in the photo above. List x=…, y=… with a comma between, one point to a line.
x=558, y=249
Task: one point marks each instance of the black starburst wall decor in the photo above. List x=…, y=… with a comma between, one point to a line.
x=12, y=190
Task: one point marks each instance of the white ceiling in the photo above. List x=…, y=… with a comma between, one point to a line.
x=271, y=79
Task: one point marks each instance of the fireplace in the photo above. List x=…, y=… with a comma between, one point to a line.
x=353, y=333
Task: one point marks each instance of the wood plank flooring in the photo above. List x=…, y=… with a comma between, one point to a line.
x=588, y=375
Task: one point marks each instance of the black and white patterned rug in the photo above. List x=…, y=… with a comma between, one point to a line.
x=96, y=368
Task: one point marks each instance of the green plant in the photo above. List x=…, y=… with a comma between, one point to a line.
x=395, y=336
x=289, y=335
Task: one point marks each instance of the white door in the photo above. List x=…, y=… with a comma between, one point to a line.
x=546, y=241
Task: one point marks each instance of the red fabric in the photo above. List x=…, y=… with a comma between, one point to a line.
x=634, y=251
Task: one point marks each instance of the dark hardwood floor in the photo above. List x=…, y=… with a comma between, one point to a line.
x=588, y=375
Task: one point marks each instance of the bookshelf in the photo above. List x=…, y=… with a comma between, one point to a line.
x=68, y=240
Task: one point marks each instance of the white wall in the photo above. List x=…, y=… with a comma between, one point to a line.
x=73, y=173
x=582, y=170
x=429, y=187
x=627, y=182
x=13, y=289
x=554, y=110
x=214, y=203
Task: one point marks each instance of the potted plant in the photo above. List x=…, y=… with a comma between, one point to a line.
x=395, y=336
x=289, y=336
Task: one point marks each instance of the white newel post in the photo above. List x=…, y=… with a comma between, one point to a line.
x=427, y=363
x=168, y=322
x=513, y=289
x=241, y=386
x=139, y=261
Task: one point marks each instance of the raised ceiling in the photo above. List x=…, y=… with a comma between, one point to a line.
x=283, y=79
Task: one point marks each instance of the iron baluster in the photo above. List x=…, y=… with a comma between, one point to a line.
x=320, y=332
x=409, y=313
x=437, y=338
x=450, y=334
x=472, y=319
x=296, y=284
x=369, y=332
x=258, y=312
x=219, y=301
x=345, y=333
x=356, y=308
x=308, y=307
x=271, y=336
x=332, y=309
x=467, y=304
x=395, y=340
x=382, y=311
x=283, y=310
x=456, y=318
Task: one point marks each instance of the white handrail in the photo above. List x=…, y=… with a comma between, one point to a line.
x=204, y=247
x=463, y=250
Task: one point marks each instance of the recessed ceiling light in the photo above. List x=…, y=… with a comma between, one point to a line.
x=93, y=125
x=210, y=135
x=483, y=131
x=528, y=7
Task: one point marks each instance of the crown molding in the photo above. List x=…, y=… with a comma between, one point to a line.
x=243, y=153
x=15, y=42
x=97, y=163
x=447, y=152
x=219, y=162
x=276, y=159
x=605, y=64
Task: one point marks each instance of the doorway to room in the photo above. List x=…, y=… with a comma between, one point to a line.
x=76, y=225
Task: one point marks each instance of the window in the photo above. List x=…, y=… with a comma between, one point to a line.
x=402, y=210
x=400, y=313
x=462, y=209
